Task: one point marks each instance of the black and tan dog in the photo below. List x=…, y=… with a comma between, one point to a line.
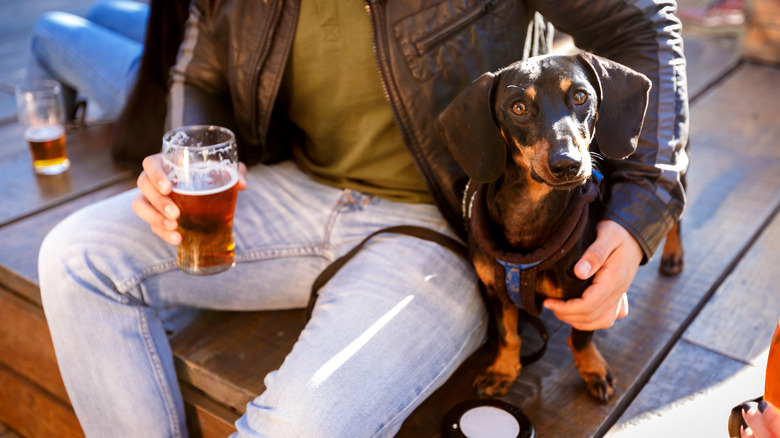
x=524, y=136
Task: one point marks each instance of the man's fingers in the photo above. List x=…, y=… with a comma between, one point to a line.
x=242, y=176
x=596, y=254
x=155, y=187
x=582, y=315
x=161, y=226
x=159, y=201
x=156, y=175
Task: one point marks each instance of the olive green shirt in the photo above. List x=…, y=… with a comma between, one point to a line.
x=332, y=92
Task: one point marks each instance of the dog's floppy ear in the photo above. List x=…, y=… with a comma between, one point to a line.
x=623, y=97
x=470, y=132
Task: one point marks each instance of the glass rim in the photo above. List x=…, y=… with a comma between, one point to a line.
x=38, y=86
x=204, y=127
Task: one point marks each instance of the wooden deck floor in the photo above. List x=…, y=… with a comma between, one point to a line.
x=692, y=347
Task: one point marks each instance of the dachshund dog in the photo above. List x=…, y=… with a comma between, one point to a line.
x=527, y=137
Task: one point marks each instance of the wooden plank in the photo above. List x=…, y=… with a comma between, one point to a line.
x=26, y=193
x=206, y=418
x=227, y=354
x=25, y=344
x=7, y=107
x=721, y=360
x=691, y=395
x=29, y=375
x=708, y=59
x=22, y=240
x=748, y=299
x=32, y=412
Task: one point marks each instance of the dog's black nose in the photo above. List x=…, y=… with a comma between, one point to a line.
x=564, y=165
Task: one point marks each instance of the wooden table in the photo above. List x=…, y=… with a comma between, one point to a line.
x=691, y=348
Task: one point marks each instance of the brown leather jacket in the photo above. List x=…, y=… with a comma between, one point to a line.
x=231, y=63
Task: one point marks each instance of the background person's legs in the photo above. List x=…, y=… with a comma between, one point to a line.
x=86, y=57
x=125, y=17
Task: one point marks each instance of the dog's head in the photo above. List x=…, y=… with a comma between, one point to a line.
x=542, y=114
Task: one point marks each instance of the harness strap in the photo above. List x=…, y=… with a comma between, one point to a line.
x=517, y=272
x=410, y=230
x=517, y=280
x=528, y=283
x=538, y=325
x=432, y=236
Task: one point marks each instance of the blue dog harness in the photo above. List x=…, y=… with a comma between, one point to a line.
x=517, y=271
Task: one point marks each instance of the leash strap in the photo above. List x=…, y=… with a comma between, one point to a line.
x=409, y=230
x=538, y=325
x=431, y=236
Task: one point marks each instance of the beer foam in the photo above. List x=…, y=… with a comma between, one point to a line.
x=206, y=180
x=43, y=133
x=180, y=138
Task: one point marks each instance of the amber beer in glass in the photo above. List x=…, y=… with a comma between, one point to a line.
x=42, y=116
x=202, y=164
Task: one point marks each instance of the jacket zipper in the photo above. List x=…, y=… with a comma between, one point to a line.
x=374, y=12
x=276, y=16
x=434, y=40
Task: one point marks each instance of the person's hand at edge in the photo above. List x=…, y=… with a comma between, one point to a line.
x=761, y=420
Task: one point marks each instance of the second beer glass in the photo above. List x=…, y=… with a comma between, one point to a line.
x=202, y=163
x=41, y=114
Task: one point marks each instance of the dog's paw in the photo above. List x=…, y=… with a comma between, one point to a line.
x=492, y=383
x=671, y=265
x=594, y=370
x=601, y=386
x=672, y=253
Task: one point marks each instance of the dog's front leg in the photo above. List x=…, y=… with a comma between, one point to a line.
x=500, y=376
x=591, y=364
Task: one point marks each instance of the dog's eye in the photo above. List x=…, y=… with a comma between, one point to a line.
x=579, y=98
x=519, y=108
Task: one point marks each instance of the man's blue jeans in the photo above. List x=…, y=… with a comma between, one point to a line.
x=387, y=330
x=97, y=56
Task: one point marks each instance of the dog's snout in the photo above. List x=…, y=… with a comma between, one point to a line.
x=564, y=165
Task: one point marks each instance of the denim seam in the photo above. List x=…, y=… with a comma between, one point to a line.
x=159, y=374
x=157, y=268
x=330, y=223
x=270, y=253
x=403, y=413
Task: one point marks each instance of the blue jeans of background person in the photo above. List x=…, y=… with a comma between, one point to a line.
x=387, y=330
x=97, y=56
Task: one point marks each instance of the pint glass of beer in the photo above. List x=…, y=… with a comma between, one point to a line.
x=41, y=114
x=202, y=163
